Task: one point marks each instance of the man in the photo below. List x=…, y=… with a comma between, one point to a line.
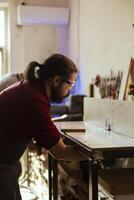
x=25, y=115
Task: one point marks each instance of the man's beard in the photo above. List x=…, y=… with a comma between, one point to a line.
x=56, y=96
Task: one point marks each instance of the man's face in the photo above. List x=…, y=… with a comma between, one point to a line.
x=62, y=89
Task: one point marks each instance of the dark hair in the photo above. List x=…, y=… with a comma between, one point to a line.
x=56, y=64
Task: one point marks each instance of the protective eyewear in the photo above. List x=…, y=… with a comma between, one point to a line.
x=72, y=83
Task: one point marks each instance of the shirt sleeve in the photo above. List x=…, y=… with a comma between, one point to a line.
x=41, y=128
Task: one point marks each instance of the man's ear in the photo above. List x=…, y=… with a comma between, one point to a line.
x=56, y=80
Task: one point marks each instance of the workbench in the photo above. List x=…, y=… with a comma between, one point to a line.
x=105, y=133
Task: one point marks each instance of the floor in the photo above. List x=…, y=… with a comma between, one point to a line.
x=34, y=192
x=34, y=180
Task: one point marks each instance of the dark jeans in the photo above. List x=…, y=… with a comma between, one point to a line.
x=9, y=188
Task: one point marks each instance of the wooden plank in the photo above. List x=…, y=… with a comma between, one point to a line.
x=124, y=83
x=72, y=130
x=71, y=126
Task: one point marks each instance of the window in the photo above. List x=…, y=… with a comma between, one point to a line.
x=3, y=40
x=2, y=27
x=1, y=60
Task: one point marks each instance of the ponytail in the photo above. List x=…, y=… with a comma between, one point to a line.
x=31, y=72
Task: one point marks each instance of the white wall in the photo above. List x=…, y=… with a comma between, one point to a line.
x=61, y=41
x=74, y=40
x=73, y=31
x=106, y=37
x=35, y=42
x=38, y=43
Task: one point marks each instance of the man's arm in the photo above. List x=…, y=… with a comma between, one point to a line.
x=61, y=151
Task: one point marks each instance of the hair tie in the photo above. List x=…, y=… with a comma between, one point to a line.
x=36, y=69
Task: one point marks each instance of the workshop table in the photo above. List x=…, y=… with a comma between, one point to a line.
x=96, y=144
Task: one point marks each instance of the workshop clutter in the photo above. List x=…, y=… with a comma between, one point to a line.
x=108, y=85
